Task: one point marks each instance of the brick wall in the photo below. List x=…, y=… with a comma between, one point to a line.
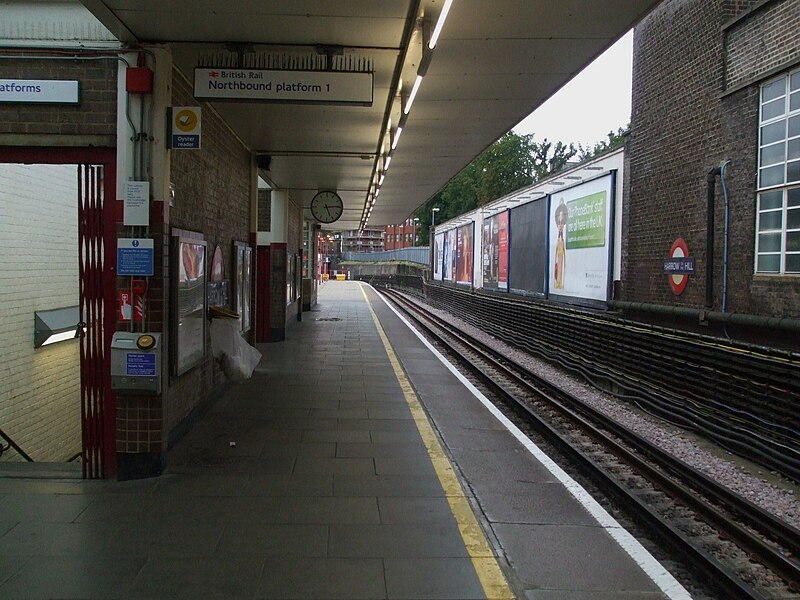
x=763, y=40
x=212, y=189
x=94, y=115
x=212, y=202
x=682, y=125
x=40, y=403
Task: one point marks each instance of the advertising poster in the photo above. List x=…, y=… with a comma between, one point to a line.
x=495, y=252
x=528, y=248
x=465, y=251
x=580, y=233
x=438, y=256
x=449, y=255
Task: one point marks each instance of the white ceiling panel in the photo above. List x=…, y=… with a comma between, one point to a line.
x=495, y=62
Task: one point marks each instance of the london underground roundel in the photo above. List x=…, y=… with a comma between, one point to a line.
x=678, y=281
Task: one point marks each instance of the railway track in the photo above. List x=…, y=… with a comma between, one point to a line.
x=744, y=551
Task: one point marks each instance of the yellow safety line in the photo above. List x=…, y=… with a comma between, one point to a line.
x=484, y=560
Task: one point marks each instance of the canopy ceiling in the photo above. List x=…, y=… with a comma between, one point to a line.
x=494, y=63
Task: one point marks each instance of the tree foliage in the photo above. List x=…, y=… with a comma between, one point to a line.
x=512, y=162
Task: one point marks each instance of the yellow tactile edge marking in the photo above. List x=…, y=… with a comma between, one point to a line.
x=484, y=560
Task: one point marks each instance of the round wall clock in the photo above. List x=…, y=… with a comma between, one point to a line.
x=326, y=207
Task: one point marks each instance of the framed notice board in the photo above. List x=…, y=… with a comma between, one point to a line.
x=189, y=303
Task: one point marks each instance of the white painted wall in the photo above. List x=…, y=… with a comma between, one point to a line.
x=39, y=388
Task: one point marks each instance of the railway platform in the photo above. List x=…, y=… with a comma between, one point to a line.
x=354, y=464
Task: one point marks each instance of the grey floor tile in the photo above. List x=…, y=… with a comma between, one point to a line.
x=166, y=538
x=341, y=413
x=57, y=539
x=329, y=578
x=419, y=466
x=9, y=565
x=72, y=577
x=320, y=449
x=547, y=556
x=433, y=578
x=547, y=503
x=47, y=508
x=310, y=510
x=396, y=412
x=190, y=578
x=337, y=435
x=305, y=484
x=336, y=466
x=395, y=511
x=386, y=485
x=274, y=540
x=396, y=541
x=407, y=436
x=380, y=450
x=495, y=471
x=591, y=595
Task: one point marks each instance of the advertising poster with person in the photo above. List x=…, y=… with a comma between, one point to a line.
x=580, y=240
x=495, y=251
x=465, y=252
x=449, y=255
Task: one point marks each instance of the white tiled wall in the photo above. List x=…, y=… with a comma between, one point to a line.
x=39, y=388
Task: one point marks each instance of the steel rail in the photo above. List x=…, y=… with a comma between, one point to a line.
x=755, y=517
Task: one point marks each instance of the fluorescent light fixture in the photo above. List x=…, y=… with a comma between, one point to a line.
x=439, y=24
x=57, y=325
x=383, y=176
x=387, y=162
x=412, y=95
x=396, y=139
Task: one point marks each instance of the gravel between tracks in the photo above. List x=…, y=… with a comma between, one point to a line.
x=776, y=499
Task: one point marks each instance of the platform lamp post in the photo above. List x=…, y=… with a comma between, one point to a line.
x=416, y=232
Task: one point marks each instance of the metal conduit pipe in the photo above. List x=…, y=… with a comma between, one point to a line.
x=779, y=324
x=711, y=191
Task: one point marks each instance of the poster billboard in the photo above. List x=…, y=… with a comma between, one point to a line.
x=464, y=254
x=528, y=243
x=448, y=267
x=579, y=253
x=495, y=252
x=438, y=256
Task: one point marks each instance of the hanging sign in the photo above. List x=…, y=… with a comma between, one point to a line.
x=36, y=91
x=185, y=134
x=679, y=266
x=314, y=87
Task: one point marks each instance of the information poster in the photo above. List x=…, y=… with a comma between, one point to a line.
x=580, y=233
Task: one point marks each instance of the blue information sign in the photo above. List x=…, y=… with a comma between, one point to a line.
x=135, y=257
x=141, y=365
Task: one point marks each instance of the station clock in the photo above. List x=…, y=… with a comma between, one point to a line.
x=326, y=206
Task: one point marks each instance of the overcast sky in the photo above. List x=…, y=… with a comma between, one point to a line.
x=596, y=101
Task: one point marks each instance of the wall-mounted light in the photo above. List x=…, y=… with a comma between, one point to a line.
x=57, y=325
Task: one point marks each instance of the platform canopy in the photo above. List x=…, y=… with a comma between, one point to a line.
x=494, y=63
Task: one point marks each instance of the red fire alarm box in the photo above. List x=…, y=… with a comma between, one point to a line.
x=139, y=80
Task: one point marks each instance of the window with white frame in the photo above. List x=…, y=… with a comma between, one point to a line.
x=778, y=235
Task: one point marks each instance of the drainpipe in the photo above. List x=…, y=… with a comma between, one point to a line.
x=711, y=196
